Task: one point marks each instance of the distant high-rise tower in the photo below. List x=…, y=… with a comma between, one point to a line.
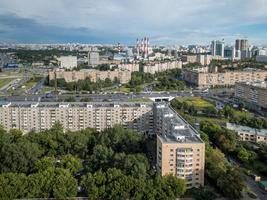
x=217, y=48
x=241, y=44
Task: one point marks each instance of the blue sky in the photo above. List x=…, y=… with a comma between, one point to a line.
x=112, y=21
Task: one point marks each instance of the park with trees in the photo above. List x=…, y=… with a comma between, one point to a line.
x=112, y=164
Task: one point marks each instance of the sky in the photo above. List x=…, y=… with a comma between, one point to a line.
x=113, y=21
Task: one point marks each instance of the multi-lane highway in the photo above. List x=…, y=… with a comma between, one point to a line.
x=95, y=97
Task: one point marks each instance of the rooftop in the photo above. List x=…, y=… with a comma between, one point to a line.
x=179, y=130
x=246, y=129
x=259, y=84
x=73, y=104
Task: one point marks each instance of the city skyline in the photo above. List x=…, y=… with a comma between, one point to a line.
x=108, y=22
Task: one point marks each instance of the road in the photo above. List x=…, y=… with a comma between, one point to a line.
x=255, y=188
x=37, y=87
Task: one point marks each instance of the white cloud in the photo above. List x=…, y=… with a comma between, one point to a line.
x=198, y=18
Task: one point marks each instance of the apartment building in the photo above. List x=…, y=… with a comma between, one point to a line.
x=93, y=58
x=67, y=62
x=94, y=75
x=180, y=151
x=132, y=67
x=249, y=134
x=76, y=116
x=253, y=93
x=227, y=78
x=152, y=68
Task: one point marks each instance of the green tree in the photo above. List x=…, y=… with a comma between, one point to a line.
x=12, y=186
x=231, y=184
x=72, y=163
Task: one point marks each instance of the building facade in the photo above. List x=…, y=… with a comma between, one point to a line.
x=93, y=58
x=76, y=116
x=180, y=151
x=249, y=134
x=67, y=62
x=162, y=66
x=227, y=78
x=132, y=67
x=217, y=48
x=94, y=75
x=253, y=93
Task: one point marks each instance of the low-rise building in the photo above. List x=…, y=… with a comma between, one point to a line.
x=94, y=75
x=253, y=93
x=249, y=134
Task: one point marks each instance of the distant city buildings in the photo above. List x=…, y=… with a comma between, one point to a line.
x=132, y=67
x=94, y=75
x=261, y=58
x=154, y=67
x=229, y=53
x=217, y=48
x=253, y=93
x=142, y=47
x=67, y=62
x=203, y=59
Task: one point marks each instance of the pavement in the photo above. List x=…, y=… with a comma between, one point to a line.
x=254, y=187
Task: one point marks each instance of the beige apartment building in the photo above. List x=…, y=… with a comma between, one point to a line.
x=132, y=67
x=249, y=134
x=76, y=116
x=254, y=94
x=180, y=151
x=154, y=67
x=227, y=78
x=94, y=75
x=67, y=62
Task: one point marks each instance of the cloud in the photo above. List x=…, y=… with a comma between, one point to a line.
x=180, y=21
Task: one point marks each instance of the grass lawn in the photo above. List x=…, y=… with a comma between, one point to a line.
x=47, y=89
x=5, y=81
x=31, y=82
x=121, y=89
x=140, y=100
x=196, y=101
x=241, y=114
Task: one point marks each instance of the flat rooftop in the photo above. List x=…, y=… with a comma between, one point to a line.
x=74, y=104
x=246, y=129
x=180, y=131
x=259, y=84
